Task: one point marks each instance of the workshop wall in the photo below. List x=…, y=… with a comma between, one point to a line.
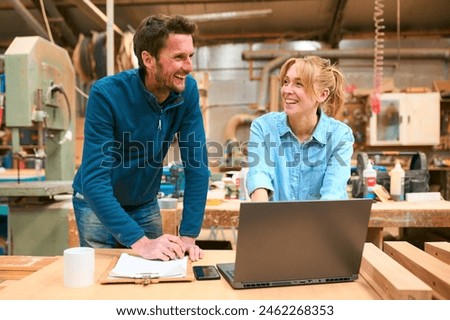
x=234, y=84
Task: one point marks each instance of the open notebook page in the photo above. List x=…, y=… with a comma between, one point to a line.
x=136, y=267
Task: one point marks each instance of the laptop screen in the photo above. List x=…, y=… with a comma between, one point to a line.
x=280, y=241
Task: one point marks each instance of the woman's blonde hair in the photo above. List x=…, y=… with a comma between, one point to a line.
x=316, y=74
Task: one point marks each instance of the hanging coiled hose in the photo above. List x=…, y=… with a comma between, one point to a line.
x=378, y=55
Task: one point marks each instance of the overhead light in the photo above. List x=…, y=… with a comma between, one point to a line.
x=232, y=15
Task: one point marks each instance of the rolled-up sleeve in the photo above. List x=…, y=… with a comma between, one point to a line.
x=339, y=167
x=260, y=160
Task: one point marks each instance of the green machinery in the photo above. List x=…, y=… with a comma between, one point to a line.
x=40, y=95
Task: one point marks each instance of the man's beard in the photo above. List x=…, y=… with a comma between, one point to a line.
x=162, y=81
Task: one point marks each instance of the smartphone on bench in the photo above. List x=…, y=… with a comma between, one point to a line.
x=206, y=273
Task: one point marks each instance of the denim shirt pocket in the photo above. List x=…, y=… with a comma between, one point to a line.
x=313, y=180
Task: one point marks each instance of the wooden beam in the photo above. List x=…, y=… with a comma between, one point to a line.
x=175, y=2
x=429, y=269
x=439, y=249
x=171, y=219
x=95, y=14
x=29, y=19
x=390, y=279
x=58, y=22
x=335, y=33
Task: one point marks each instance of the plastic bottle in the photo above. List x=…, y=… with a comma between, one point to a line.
x=370, y=180
x=397, y=188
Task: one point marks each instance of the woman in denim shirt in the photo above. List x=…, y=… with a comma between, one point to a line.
x=302, y=153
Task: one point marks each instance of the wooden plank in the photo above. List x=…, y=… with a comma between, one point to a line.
x=375, y=235
x=14, y=274
x=225, y=215
x=170, y=221
x=405, y=214
x=73, y=235
x=429, y=269
x=29, y=263
x=389, y=278
x=439, y=249
x=18, y=267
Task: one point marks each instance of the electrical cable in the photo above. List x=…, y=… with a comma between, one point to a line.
x=378, y=56
x=59, y=88
x=68, y=135
x=82, y=93
x=398, y=31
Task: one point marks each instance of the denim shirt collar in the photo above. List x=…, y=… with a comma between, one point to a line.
x=320, y=132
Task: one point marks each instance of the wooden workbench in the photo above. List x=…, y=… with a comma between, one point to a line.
x=18, y=267
x=427, y=214
x=384, y=214
x=397, y=283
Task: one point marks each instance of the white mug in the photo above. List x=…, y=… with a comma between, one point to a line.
x=79, y=267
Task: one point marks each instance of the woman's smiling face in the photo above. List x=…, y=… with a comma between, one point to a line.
x=295, y=98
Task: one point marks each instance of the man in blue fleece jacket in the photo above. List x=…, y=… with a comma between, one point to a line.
x=131, y=119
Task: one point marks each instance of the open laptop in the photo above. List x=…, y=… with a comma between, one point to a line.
x=298, y=242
